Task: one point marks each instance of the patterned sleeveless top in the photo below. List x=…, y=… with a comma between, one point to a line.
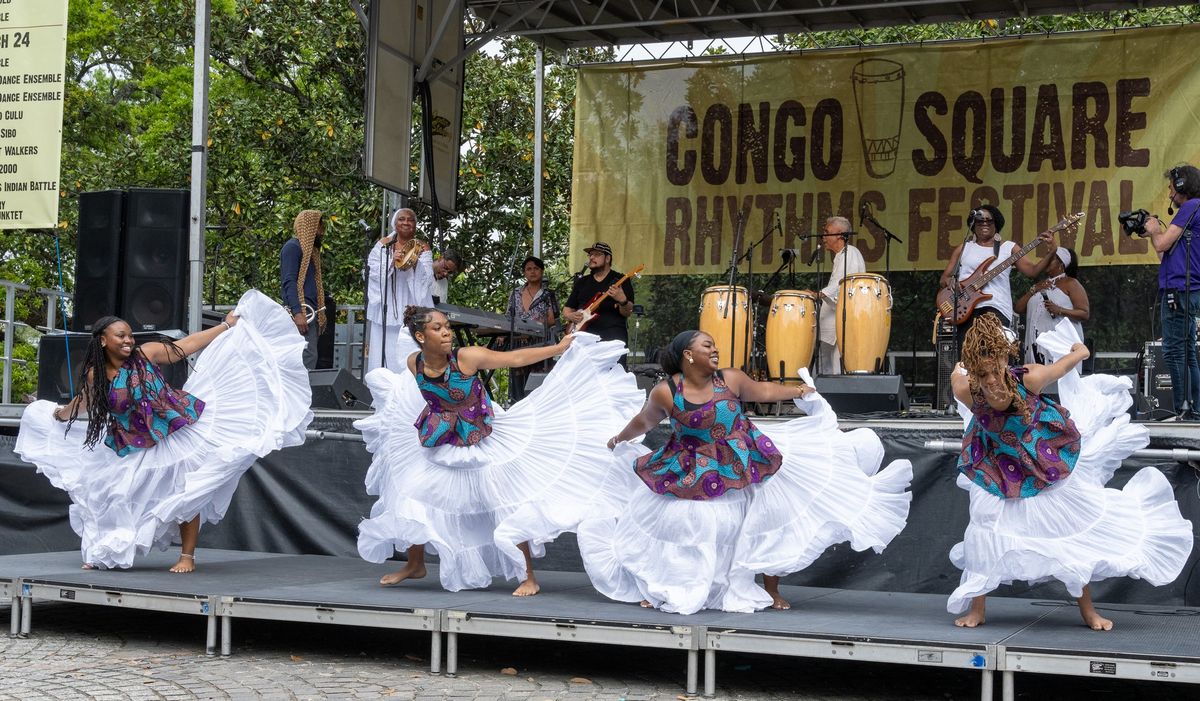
x=713, y=448
x=1015, y=459
x=144, y=408
x=457, y=409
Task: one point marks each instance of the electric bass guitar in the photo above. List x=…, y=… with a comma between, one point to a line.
x=970, y=291
x=589, y=311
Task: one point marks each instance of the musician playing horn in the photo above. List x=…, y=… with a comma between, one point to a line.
x=399, y=273
x=985, y=224
x=617, y=300
x=847, y=260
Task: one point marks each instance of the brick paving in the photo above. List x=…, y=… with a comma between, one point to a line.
x=101, y=654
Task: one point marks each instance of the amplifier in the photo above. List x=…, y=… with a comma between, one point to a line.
x=1154, y=380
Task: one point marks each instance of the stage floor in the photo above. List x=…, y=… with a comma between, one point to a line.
x=1021, y=635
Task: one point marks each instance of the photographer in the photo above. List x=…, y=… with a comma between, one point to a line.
x=1178, y=284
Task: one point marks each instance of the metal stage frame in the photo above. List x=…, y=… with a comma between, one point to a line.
x=1151, y=643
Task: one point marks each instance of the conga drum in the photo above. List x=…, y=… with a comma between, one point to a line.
x=864, y=321
x=723, y=315
x=791, y=333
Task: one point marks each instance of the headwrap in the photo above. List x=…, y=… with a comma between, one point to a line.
x=672, y=355
x=1064, y=255
x=306, y=226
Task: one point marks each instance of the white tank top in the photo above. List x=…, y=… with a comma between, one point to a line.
x=999, y=288
x=1037, y=319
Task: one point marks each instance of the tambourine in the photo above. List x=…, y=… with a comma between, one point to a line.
x=406, y=257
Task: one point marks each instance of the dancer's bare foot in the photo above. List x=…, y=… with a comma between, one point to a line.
x=646, y=604
x=975, y=617
x=771, y=584
x=187, y=563
x=528, y=588
x=412, y=570
x=1087, y=611
x=88, y=566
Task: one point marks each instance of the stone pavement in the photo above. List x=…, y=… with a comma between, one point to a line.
x=93, y=652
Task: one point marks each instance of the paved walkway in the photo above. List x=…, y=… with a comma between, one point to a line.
x=91, y=652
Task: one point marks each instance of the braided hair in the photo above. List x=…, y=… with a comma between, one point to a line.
x=986, y=349
x=416, y=319
x=94, y=384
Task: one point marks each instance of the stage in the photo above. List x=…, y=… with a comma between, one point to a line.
x=1021, y=637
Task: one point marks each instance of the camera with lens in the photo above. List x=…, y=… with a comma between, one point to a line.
x=1134, y=222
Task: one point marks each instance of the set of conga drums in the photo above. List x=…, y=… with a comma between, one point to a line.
x=862, y=331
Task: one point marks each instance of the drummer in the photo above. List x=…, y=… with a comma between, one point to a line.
x=847, y=260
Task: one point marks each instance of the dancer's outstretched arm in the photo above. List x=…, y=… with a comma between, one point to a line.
x=749, y=390
x=1041, y=375
x=163, y=354
x=655, y=410
x=475, y=358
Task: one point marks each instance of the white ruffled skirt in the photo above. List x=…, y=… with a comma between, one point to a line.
x=543, y=469
x=1077, y=531
x=683, y=556
x=256, y=393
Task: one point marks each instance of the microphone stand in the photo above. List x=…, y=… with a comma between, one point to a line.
x=888, y=237
x=731, y=302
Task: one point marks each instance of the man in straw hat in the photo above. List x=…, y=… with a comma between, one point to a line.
x=300, y=271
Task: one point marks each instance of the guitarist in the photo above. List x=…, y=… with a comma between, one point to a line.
x=609, y=324
x=985, y=224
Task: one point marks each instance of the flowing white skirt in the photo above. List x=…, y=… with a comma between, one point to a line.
x=683, y=556
x=543, y=469
x=1077, y=531
x=256, y=393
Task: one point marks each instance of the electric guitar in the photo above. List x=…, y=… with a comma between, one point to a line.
x=970, y=291
x=589, y=311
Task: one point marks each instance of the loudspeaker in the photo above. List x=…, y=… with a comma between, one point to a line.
x=862, y=394
x=98, y=252
x=55, y=381
x=154, y=289
x=947, y=358
x=338, y=389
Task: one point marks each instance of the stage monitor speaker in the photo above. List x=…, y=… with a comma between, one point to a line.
x=98, y=251
x=338, y=389
x=863, y=394
x=154, y=289
x=55, y=382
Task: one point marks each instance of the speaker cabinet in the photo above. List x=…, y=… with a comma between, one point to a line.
x=154, y=293
x=863, y=394
x=338, y=389
x=58, y=378
x=98, y=256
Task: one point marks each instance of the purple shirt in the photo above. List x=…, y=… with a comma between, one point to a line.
x=1172, y=272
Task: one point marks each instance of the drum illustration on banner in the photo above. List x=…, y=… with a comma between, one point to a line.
x=726, y=322
x=791, y=334
x=864, y=321
x=879, y=100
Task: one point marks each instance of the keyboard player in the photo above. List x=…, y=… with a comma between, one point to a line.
x=534, y=302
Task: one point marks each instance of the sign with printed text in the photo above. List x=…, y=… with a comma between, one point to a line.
x=33, y=49
x=675, y=161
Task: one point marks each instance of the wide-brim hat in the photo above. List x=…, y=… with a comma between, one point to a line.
x=599, y=247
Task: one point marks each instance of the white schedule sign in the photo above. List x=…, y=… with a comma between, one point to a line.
x=33, y=51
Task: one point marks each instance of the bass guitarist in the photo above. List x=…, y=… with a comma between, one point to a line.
x=985, y=224
x=609, y=323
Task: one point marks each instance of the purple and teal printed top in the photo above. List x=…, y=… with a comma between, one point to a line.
x=144, y=408
x=457, y=409
x=1015, y=459
x=713, y=448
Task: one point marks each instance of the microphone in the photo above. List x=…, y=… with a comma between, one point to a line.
x=816, y=252
x=582, y=270
x=788, y=254
x=864, y=212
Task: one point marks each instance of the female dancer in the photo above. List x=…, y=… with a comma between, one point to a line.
x=711, y=519
x=1036, y=475
x=174, y=456
x=486, y=489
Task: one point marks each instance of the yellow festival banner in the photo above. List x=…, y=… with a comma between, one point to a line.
x=672, y=159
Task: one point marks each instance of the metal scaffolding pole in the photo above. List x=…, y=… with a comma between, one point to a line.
x=538, y=117
x=199, y=172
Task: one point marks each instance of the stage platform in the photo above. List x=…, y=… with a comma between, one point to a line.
x=1152, y=643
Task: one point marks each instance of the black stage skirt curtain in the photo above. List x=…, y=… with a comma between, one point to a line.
x=310, y=499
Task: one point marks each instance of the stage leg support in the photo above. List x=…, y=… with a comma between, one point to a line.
x=226, y=636
x=710, y=673
x=1007, y=692
x=693, y=670
x=210, y=636
x=985, y=689
x=15, y=614
x=26, y=615
x=451, y=654
x=435, y=653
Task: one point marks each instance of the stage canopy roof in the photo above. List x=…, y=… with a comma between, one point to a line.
x=582, y=23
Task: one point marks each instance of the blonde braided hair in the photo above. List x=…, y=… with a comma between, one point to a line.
x=987, y=349
x=306, y=225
